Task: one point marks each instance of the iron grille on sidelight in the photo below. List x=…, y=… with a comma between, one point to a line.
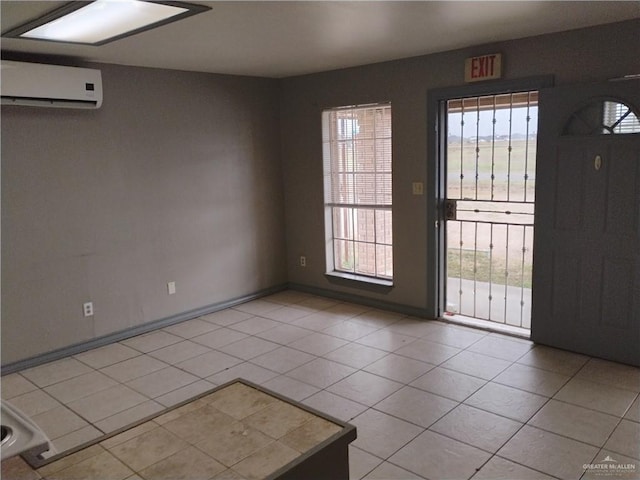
x=358, y=193
x=491, y=150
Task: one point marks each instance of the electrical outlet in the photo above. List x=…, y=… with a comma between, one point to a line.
x=171, y=288
x=87, y=309
x=303, y=261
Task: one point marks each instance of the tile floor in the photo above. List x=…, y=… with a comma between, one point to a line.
x=430, y=400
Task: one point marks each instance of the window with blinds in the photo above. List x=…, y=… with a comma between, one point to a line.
x=357, y=190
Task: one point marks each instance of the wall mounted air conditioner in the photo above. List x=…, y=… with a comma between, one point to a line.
x=40, y=85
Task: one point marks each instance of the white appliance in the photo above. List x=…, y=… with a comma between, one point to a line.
x=20, y=435
x=41, y=85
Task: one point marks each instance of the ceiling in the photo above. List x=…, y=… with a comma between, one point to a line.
x=281, y=39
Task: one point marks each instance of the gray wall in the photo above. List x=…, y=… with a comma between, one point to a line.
x=176, y=178
x=580, y=56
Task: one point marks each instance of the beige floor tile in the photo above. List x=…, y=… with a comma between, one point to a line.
x=287, y=314
x=133, y=368
x=315, y=302
x=128, y=434
x=70, y=460
x=455, y=337
x=151, y=341
x=318, y=321
x=414, y=327
x=356, y=355
x=501, y=469
x=334, y=405
x=318, y=343
x=361, y=463
x=477, y=364
x=265, y=461
x=416, y=406
x=321, y=373
x=346, y=311
x=187, y=464
x=247, y=371
x=219, y=338
x=278, y=419
x=249, y=348
x=254, y=325
x=365, y=388
x=430, y=352
x=161, y=382
x=387, y=340
x=103, y=466
x=77, y=438
x=310, y=434
x=229, y=474
x=257, y=307
x=15, y=468
x=127, y=417
x=151, y=447
x=191, y=328
x=481, y=429
x=634, y=411
x=59, y=421
x=208, y=364
x=449, y=383
x=349, y=330
x=435, y=456
x=532, y=379
x=554, y=360
x=625, y=439
x=381, y=434
x=284, y=334
x=288, y=297
x=106, y=403
x=55, y=372
x=388, y=471
x=14, y=385
x=291, y=388
x=376, y=318
x=80, y=386
x=282, y=359
x=549, y=453
x=501, y=347
x=179, y=352
x=506, y=401
x=231, y=443
x=226, y=317
x=398, y=368
x=575, y=422
x=184, y=393
x=107, y=355
x=34, y=403
x=610, y=373
x=196, y=427
x=606, y=399
x=240, y=401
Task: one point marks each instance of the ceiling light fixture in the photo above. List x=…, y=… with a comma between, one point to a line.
x=102, y=21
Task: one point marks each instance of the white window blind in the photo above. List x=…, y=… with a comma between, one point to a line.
x=358, y=192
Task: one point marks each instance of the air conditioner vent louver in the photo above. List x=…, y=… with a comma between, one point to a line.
x=40, y=85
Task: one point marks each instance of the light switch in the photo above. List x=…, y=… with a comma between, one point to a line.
x=418, y=188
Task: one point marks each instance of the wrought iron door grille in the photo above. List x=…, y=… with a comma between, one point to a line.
x=490, y=206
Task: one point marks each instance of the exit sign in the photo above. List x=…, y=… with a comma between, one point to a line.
x=485, y=67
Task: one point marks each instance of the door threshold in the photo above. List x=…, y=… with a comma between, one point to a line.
x=488, y=325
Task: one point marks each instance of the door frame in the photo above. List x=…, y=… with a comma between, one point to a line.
x=436, y=174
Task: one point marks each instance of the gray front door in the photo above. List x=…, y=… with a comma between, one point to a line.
x=586, y=273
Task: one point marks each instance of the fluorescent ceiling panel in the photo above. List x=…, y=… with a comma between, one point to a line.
x=101, y=21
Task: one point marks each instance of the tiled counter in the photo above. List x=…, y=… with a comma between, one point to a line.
x=235, y=431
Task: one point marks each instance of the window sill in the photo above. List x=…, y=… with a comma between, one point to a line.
x=352, y=279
